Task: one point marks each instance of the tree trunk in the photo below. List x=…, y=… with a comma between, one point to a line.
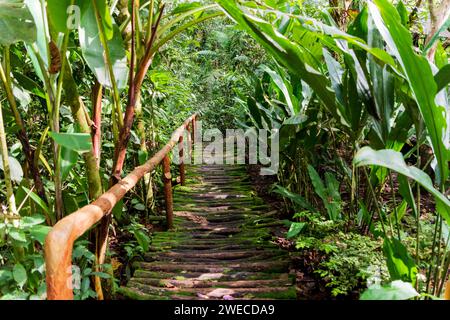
x=97, y=121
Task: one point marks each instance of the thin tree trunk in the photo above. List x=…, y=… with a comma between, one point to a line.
x=97, y=121
x=80, y=115
x=134, y=95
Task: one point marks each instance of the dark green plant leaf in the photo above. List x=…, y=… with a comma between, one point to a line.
x=30, y=221
x=442, y=78
x=16, y=22
x=400, y=264
x=184, y=7
x=39, y=233
x=296, y=198
x=284, y=51
x=79, y=142
x=29, y=84
x=295, y=229
x=394, y=160
x=419, y=75
x=142, y=239
x=60, y=13
x=69, y=159
x=20, y=275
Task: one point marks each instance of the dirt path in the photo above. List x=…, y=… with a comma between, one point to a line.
x=221, y=246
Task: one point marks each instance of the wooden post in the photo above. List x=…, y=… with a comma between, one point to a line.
x=447, y=291
x=189, y=140
x=167, y=179
x=181, y=155
x=193, y=132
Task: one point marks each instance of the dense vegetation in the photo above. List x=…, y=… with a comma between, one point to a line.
x=356, y=90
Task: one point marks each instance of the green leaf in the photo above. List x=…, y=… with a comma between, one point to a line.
x=280, y=83
x=29, y=221
x=41, y=33
x=142, y=239
x=29, y=84
x=94, y=53
x=14, y=167
x=70, y=201
x=20, y=275
x=69, y=159
x=396, y=290
x=5, y=276
x=59, y=13
x=139, y=207
x=394, y=160
x=39, y=233
x=295, y=229
x=18, y=235
x=406, y=193
x=296, y=198
x=254, y=112
x=142, y=156
x=420, y=78
x=79, y=142
x=184, y=7
x=400, y=264
x=102, y=275
x=403, y=12
x=442, y=78
x=16, y=22
x=38, y=200
x=319, y=187
x=284, y=51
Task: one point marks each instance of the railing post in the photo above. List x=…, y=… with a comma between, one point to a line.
x=193, y=131
x=167, y=179
x=181, y=155
x=189, y=139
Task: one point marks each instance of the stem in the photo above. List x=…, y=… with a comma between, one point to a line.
x=104, y=41
x=418, y=203
x=397, y=224
x=97, y=121
x=375, y=201
x=436, y=267
x=150, y=21
x=59, y=207
x=12, y=211
x=134, y=95
x=21, y=133
x=78, y=111
x=432, y=255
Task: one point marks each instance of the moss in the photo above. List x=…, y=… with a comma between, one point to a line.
x=289, y=294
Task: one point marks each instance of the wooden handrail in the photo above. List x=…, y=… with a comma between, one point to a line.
x=59, y=242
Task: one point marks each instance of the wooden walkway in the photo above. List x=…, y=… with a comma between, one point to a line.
x=221, y=245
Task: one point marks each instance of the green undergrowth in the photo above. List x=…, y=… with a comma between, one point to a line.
x=344, y=261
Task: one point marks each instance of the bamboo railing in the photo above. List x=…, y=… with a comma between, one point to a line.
x=60, y=240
